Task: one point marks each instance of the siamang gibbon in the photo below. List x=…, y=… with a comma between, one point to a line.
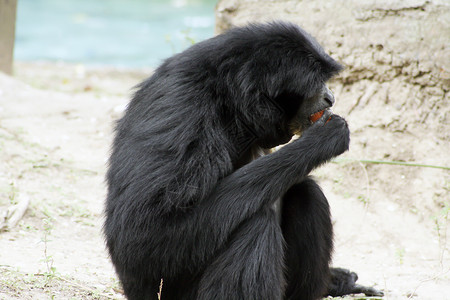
x=197, y=207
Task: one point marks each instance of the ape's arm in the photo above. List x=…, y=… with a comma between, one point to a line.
x=258, y=184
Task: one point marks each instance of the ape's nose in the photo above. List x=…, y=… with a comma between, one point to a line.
x=328, y=96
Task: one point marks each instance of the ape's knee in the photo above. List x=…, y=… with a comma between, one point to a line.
x=307, y=199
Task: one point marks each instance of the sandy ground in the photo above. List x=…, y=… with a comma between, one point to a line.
x=391, y=221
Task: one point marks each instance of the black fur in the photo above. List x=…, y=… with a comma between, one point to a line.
x=190, y=197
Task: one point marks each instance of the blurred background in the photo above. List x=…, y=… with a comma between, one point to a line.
x=134, y=33
x=73, y=71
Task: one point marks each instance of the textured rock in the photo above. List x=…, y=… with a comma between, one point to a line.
x=395, y=89
x=378, y=41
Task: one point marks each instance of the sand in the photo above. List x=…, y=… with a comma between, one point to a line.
x=391, y=221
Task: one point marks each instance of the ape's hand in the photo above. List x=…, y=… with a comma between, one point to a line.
x=336, y=133
x=328, y=137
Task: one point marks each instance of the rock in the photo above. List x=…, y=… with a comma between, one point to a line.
x=396, y=81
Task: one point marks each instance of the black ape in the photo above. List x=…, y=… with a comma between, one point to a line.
x=191, y=197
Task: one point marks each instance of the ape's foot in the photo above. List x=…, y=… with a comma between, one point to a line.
x=343, y=282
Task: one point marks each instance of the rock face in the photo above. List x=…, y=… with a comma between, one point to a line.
x=394, y=51
x=394, y=90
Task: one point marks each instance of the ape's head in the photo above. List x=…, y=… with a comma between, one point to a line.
x=278, y=74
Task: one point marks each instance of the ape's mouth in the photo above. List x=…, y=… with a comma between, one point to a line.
x=302, y=121
x=316, y=116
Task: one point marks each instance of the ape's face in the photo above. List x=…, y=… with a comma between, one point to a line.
x=297, y=115
x=278, y=82
x=309, y=109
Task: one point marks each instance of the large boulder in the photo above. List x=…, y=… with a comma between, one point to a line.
x=394, y=90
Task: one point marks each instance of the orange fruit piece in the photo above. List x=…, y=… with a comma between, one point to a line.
x=314, y=117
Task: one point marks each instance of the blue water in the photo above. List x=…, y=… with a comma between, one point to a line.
x=123, y=33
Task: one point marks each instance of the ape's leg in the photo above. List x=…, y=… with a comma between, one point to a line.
x=251, y=264
x=307, y=230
